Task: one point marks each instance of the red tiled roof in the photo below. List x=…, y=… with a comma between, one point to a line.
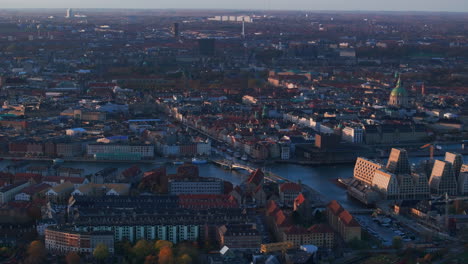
x=290, y=187
x=131, y=172
x=295, y=230
x=320, y=228
x=27, y=176
x=256, y=177
x=335, y=207
x=271, y=207
x=347, y=218
x=299, y=199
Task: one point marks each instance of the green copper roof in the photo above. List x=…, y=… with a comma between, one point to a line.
x=399, y=90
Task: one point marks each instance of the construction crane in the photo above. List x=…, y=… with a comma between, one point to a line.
x=431, y=147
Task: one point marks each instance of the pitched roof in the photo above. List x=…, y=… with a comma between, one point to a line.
x=63, y=187
x=347, y=218
x=295, y=230
x=59, y=179
x=256, y=177
x=299, y=199
x=335, y=207
x=271, y=207
x=33, y=189
x=131, y=172
x=320, y=228
x=27, y=176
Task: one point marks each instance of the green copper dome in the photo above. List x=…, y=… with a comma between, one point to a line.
x=399, y=90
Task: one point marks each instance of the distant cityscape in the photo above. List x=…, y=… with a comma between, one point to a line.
x=221, y=136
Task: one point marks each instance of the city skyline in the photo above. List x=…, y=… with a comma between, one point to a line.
x=335, y=5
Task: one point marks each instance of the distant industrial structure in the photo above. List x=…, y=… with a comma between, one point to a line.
x=247, y=19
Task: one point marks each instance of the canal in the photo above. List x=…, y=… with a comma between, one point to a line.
x=320, y=178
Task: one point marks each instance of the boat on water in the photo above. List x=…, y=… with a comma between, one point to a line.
x=198, y=161
x=178, y=162
x=244, y=157
x=58, y=161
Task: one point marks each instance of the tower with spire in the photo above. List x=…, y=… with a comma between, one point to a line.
x=399, y=95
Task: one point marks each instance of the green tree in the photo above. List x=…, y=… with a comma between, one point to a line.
x=142, y=249
x=188, y=248
x=101, y=252
x=124, y=247
x=73, y=258
x=36, y=252
x=397, y=242
x=184, y=259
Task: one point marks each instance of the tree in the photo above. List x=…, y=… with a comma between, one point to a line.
x=73, y=258
x=166, y=256
x=36, y=252
x=151, y=259
x=162, y=243
x=397, y=242
x=184, y=259
x=124, y=247
x=187, y=248
x=142, y=248
x=101, y=252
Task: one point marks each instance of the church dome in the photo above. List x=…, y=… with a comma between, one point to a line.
x=399, y=90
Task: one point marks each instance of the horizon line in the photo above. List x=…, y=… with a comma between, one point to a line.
x=233, y=9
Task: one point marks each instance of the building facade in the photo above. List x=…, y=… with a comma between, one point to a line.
x=63, y=241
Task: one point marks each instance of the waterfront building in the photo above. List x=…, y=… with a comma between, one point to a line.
x=364, y=170
x=463, y=183
x=342, y=222
x=456, y=160
x=126, y=152
x=198, y=185
x=386, y=183
x=443, y=179
x=352, y=134
x=398, y=162
x=288, y=193
x=65, y=240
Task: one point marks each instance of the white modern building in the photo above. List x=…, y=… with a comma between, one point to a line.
x=353, y=134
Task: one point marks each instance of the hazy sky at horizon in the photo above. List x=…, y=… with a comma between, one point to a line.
x=392, y=5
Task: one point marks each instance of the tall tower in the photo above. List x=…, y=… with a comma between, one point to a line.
x=243, y=28
x=423, y=89
x=175, y=30
x=69, y=13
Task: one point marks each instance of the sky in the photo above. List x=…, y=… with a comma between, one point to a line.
x=380, y=5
